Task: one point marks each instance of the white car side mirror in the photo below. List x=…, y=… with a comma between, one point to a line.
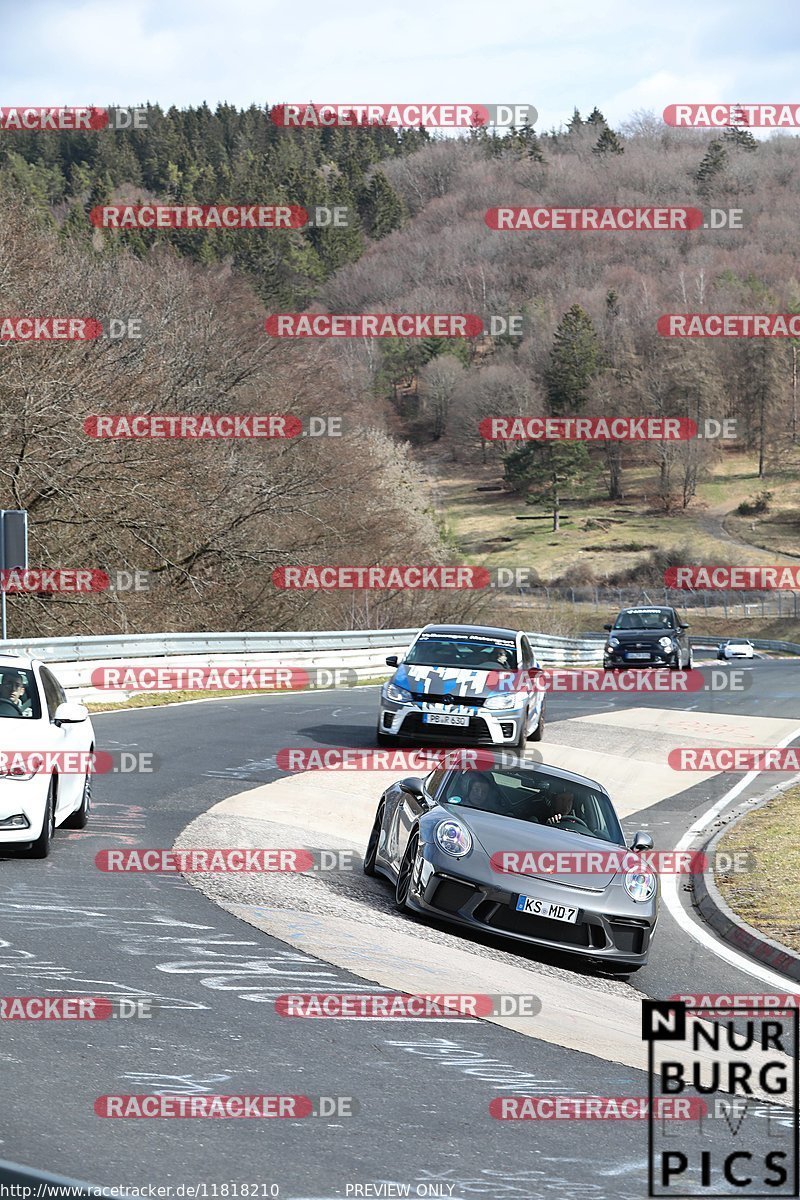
x=70, y=713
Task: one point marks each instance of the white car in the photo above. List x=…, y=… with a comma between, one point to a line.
x=45, y=769
x=736, y=648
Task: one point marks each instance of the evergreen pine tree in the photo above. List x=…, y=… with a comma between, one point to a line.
x=608, y=143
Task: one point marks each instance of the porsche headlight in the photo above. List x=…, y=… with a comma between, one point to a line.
x=453, y=838
x=400, y=694
x=640, y=885
x=510, y=700
x=665, y=643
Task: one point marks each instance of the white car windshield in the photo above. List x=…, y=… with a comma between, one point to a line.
x=473, y=651
x=19, y=695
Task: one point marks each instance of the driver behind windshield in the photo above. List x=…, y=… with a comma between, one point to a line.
x=12, y=689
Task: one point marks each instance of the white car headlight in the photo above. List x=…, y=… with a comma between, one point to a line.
x=612, y=641
x=510, y=700
x=453, y=838
x=16, y=773
x=640, y=885
x=393, y=692
x=665, y=642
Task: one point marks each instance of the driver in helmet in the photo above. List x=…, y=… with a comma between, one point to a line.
x=561, y=805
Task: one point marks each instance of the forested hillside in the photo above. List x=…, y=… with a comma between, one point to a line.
x=212, y=519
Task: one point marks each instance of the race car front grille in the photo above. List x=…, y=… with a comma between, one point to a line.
x=629, y=936
x=508, y=920
x=449, y=700
x=449, y=894
x=476, y=731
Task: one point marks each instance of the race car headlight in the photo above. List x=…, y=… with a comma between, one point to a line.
x=393, y=692
x=666, y=643
x=453, y=838
x=510, y=700
x=613, y=641
x=640, y=885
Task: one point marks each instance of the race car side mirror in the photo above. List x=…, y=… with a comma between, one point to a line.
x=413, y=785
x=391, y=661
x=608, y=627
x=641, y=841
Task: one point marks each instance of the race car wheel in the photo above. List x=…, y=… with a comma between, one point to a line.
x=538, y=732
x=372, y=844
x=403, y=886
x=80, y=817
x=41, y=847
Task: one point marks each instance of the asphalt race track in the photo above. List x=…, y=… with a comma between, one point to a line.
x=67, y=928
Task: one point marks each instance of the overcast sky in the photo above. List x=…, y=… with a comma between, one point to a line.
x=622, y=55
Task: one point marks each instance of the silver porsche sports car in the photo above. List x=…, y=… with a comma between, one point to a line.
x=527, y=851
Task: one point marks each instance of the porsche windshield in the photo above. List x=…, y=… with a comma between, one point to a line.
x=473, y=653
x=646, y=618
x=537, y=797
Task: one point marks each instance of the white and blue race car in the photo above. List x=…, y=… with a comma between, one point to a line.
x=470, y=683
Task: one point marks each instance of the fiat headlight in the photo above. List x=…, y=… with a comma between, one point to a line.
x=612, y=641
x=453, y=838
x=665, y=643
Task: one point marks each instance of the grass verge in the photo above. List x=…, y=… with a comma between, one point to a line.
x=768, y=897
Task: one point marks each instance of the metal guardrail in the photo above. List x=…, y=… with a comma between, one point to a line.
x=163, y=645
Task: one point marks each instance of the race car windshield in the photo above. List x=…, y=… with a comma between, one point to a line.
x=537, y=797
x=18, y=694
x=481, y=654
x=646, y=618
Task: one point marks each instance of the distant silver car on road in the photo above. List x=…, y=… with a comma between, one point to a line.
x=470, y=846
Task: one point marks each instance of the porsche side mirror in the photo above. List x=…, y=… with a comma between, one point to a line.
x=392, y=660
x=641, y=841
x=413, y=785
